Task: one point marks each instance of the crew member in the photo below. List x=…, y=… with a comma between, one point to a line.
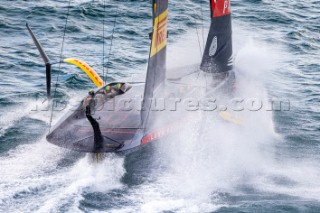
x=89, y=104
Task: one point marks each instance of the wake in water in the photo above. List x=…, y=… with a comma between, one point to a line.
x=12, y=116
x=54, y=177
x=230, y=164
x=202, y=166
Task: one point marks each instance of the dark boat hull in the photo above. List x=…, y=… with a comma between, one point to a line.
x=119, y=118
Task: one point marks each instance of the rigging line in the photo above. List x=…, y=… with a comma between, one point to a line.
x=111, y=42
x=60, y=59
x=199, y=46
x=202, y=25
x=103, y=38
x=198, y=38
x=203, y=44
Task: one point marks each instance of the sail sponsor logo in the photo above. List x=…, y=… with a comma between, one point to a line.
x=220, y=7
x=162, y=132
x=226, y=6
x=159, y=37
x=213, y=46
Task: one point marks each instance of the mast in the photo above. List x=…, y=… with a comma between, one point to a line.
x=157, y=56
x=217, y=56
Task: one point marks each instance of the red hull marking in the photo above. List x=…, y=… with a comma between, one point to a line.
x=159, y=133
x=220, y=7
x=110, y=131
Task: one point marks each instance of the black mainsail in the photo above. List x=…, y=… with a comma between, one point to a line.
x=217, y=56
x=157, y=56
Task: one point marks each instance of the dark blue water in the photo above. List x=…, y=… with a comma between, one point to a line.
x=271, y=165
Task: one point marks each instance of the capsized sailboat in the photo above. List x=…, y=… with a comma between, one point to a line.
x=109, y=118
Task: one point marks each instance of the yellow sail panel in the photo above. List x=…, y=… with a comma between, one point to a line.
x=87, y=69
x=159, y=35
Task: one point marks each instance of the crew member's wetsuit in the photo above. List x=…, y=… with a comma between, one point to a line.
x=94, y=101
x=89, y=105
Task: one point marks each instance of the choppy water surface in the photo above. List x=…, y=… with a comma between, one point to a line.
x=270, y=165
